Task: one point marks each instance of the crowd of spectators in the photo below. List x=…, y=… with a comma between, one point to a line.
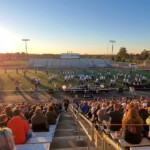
x=127, y=115
x=17, y=120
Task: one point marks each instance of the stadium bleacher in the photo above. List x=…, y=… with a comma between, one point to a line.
x=39, y=140
x=69, y=63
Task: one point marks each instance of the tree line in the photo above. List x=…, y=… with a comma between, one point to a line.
x=121, y=56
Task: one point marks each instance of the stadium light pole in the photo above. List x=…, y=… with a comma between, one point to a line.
x=26, y=48
x=112, y=41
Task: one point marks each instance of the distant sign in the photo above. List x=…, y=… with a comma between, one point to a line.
x=70, y=55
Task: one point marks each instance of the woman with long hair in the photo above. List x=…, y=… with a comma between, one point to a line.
x=132, y=130
x=6, y=139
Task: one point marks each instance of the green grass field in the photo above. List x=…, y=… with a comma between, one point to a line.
x=7, y=81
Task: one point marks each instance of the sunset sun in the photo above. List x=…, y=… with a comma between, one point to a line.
x=6, y=40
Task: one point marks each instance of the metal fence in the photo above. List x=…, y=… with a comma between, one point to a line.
x=98, y=138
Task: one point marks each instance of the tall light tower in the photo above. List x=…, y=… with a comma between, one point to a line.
x=112, y=41
x=26, y=48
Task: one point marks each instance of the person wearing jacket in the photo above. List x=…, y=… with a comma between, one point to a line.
x=113, y=111
x=39, y=121
x=51, y=115
x=20, y=128
x=85, y=108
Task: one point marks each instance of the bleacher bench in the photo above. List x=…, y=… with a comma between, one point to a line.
x=144, y=142
x=140, y=148
x=39, y=140
x=44, y=146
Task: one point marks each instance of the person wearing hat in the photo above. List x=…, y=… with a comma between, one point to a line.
x=20, y=128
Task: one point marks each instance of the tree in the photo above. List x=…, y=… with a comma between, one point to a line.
x=122, y=54
x=144, y=54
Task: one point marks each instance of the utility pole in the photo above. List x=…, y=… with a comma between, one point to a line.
x=26, y=48
x=112, y=41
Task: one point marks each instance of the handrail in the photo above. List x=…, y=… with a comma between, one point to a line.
x=99, y=135
x=94, y=135
x=90, y=123
x=112, y=143
x=82, y=125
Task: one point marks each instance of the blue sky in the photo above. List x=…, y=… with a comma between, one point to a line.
x=84, y=26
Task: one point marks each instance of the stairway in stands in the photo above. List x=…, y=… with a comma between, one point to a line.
x=69, y=135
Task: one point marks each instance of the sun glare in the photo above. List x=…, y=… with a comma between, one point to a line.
x=6, y=40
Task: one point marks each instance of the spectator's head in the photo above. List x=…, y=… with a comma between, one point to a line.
x=144, y=105
x=129, y=106
x=132, y=113
x=9, y=112
x=124, y=104
x=85, y=102
x=132, y=117
x=38, y=110
x=6, y=138
x=50, y=108
x=116, y=106
x=17, y=112
x=104, y=105
x=76, y=96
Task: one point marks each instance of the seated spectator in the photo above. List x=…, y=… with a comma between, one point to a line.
x=6, y=139
x=115, y=116
x=20, y=128
x=31, y=112
x=51, y=116
x=132, y=133
x=39, y=121
x=128, y=106
x=143, y=113
x=85, y=108
x=148, y=111
x=148, y=123
x=94, y=113
x=101, y=114
x=9, y=112
x=3, y=120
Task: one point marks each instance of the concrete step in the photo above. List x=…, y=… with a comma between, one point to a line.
x=66, y=138
x=66, y=121
x=76, y=148
x=65, y=118
x=81, y=148
x=68, y=144
x=66, y=126
x=67, y=133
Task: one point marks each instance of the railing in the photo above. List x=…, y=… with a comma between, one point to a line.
x=100, y=140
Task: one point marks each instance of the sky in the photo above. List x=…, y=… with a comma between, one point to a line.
x=79, y=26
